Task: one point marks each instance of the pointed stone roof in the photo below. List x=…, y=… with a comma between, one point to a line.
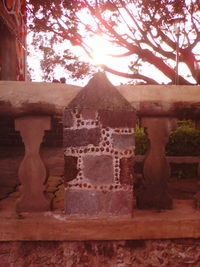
x=100, y=94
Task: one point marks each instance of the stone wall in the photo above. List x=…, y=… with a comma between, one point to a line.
x=99, y=151
x=98, y=161
x=137, y=253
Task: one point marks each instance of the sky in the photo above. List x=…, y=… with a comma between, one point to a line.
x=99, y=57
x=101, y=49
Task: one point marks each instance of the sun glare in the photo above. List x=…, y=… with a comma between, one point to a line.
x=101, y=49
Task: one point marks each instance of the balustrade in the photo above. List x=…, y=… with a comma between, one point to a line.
x=157, y=106
x=32, y=172
x=156, y=169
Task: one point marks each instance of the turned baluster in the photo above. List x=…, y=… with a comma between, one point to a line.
x=32, y=172
x=156, y=170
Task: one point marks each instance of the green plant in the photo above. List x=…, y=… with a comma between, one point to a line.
x=141, y=141
x=184, y=141
x=188, y=123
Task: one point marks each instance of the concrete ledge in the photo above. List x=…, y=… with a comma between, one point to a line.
x=181, y=222
x=32, y=98
x=174, y=159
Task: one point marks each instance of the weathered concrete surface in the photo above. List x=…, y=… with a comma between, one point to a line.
x=17, y=98
x=181, y=222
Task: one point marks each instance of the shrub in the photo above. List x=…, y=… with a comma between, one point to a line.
x=184, y=141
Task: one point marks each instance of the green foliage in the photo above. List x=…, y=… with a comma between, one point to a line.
x=53, y=25
x=188, y=123
x=184, y=141
x=141, y=141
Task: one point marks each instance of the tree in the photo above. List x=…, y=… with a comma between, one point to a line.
x=158, y=32
x=48, y=35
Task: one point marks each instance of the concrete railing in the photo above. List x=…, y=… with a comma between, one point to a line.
x=157, y=107
x=176, y=160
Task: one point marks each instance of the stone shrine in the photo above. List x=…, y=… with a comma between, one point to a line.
x=99, y=151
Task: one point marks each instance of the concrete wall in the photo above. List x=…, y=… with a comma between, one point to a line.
x=23, y=98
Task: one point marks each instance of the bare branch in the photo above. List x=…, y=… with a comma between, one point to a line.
x=130, y=76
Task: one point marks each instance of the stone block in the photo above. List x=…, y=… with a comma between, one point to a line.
x=88, y=114
x=81, y=137
x=98, y=170
x=115, y=119
x=82, y=202
x=70, y=169
x=120, y=203
x=123, y=141
x=126, y=169
x=68, y=118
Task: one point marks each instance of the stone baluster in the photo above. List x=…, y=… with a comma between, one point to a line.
x=156, y=170
x=32, y=172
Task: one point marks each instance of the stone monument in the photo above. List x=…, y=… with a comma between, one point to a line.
x=99, y=151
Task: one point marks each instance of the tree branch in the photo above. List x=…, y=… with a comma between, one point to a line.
x=130, y=76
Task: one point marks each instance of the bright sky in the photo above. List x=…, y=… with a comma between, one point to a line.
x=101, y=50
x=100, y=56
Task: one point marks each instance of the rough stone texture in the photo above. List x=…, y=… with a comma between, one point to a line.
x=98, y=169
x=88, y=114
x=100, y=94
x=67, y=118
x=98, y=203
x=136, y=253
x=82, y=202
x=123, y=141
x=126, y=170
x=70, y=170
x=81, y=137
x=117, y=118
x=121, y=203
